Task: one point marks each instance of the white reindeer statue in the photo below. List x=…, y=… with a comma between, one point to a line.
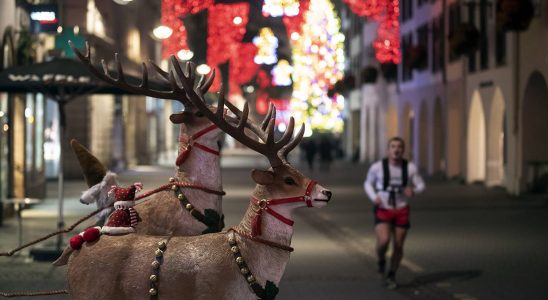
x=245, y=262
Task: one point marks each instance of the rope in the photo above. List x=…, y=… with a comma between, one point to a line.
x=32, y=294
x=141, y=196
x=179, y=184
x=10, y=253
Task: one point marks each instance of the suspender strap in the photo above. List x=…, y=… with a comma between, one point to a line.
x=385, y=174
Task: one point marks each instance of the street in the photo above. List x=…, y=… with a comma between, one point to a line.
x=465, y=242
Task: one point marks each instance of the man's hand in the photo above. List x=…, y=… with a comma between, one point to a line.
x=408, y=191
x=377, y=201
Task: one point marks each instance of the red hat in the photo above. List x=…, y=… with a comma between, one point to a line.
x=126, y=194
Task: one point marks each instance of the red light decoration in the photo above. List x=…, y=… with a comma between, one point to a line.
x=224, y=35
x=387, y=12
x=294, y=23
x=172, y=11
x=263, y=80
x=242, y=67
x=366, y=8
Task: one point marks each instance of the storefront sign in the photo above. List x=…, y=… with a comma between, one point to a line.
x=44, y=18
x=49, y=78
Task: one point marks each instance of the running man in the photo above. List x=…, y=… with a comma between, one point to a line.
x=390, y=184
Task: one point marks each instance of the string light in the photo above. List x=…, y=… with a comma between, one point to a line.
x=278, y=8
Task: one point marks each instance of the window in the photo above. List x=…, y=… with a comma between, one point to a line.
x=472, y=21
x=407, y=73
x=484, y=45
x=422, y=35
x=406, y=10
x=500, y=50
x=454, y=22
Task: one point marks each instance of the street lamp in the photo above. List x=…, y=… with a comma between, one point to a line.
x=162, y=32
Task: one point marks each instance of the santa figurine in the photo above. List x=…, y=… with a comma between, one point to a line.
x=124, y=219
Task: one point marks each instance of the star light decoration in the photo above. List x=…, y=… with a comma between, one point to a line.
x=281, y=73
x=387, y=12
x=318, y=57
x=267, y=44
x=278, y=8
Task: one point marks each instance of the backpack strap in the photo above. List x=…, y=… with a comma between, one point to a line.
x=385, y=174
x=404, y=173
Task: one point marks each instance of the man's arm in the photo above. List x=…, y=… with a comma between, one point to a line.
x=369, y=184
x=416, y=179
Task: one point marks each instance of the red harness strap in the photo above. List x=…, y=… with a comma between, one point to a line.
x=192, y=142
x=264, y=205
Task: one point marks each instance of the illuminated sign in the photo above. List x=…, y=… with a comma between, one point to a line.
x=44, y=18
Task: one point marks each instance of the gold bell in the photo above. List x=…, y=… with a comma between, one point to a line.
x=239, y=259
x=159, y=253
x=171, y=179
x=155, y=264
x=153, y=292
x=231, y=240
x=174, y=187
x=189, y=206
x=250, y=279
x=162, y=245
x=153, y=278
x=181, y=196
x=234, y=249
x=244, y=271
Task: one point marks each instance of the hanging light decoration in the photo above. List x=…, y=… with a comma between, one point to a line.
x=223, y=34
x=387, y=43
x=386, y=12
x=318, y=57
x=267, y=45
x=172, y=11
x=278, y=8
x=242, y=67
x=367, y=8
x=281, y=73
x=293, y=23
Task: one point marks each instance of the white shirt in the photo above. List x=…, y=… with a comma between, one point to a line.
x=373, y=184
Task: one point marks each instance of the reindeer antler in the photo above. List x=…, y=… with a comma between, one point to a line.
x=175, y=93
x=276, y=152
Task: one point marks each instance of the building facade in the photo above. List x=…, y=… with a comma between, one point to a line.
x=469, y=95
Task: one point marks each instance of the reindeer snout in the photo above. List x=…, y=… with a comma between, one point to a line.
x=82, y=201
x=327, y=193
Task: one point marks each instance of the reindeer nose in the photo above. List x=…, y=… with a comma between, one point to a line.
x=327, y=193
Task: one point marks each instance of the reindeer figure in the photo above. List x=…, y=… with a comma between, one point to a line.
x=246, y=262
x=197, y=176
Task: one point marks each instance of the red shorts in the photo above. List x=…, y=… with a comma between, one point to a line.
x=397, y=217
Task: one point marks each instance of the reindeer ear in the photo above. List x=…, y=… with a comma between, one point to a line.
x=180, y=117
x=262, y=177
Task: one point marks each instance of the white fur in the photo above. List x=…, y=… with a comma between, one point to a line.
x=99, y=194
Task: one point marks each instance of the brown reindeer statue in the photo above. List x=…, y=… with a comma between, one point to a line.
x=245, y=262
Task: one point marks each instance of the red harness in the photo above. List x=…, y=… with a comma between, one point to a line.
x=192, y=142
x=264, y=205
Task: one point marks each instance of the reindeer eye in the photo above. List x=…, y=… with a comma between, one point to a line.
x=199, y=114
x=290, y=181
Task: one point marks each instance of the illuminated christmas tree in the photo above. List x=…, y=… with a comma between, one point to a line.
x=318, y=58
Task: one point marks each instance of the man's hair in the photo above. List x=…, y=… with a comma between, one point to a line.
x=396, y=139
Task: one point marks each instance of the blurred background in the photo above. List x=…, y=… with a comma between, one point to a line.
x=464, y=82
